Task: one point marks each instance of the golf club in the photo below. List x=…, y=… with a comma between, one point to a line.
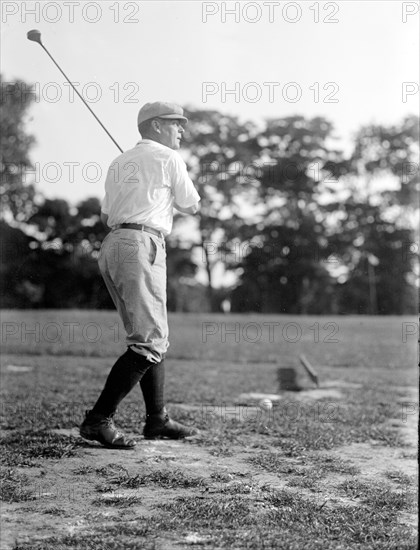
x=35, y=36
x=309, y=369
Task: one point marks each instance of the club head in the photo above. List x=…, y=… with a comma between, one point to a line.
x=35, y=36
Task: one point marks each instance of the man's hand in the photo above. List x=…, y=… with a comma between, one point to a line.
x=190, y=210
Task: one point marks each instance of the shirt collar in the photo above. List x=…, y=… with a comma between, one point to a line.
x=148, y=141
x=145, y=141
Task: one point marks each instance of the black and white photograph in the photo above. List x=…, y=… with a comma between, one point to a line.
x=209, y=291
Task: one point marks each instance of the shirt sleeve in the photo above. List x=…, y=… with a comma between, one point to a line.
x=105, y=205
x=183, y=189
x=109, y=177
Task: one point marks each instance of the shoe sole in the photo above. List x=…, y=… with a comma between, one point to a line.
x=107, y=445
x=152, y=437
x=155, y=437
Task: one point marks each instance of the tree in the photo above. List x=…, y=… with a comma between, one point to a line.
x=221, y=151
x=16, y=196
x=286, y=271
x=375, y=233
x=382, y=150
x=67, y=255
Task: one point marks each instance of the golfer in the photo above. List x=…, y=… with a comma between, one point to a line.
x=142, y=187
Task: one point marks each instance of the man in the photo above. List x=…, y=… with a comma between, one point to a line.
x=141, y=189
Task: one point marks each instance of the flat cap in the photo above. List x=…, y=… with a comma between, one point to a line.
x=161, y=109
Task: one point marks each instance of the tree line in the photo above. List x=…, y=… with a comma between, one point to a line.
x=301, y=227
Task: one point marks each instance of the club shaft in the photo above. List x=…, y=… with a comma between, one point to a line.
x=309, y=369
x=81, y=97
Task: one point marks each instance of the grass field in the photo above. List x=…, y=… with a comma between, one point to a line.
x=333, y=467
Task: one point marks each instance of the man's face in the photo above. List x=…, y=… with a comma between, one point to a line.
x=171, y=131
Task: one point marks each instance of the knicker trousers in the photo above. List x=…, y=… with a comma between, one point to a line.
x=133, y=266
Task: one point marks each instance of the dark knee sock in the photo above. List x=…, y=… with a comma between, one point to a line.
x=124, y=375
x=152, y=385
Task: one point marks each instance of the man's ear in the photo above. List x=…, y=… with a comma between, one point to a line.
x=156, y=126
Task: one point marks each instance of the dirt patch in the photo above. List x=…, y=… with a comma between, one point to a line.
x=69, y=495
x=375, y=461
x=74, y=495
x=329, y=389
x=18, y=368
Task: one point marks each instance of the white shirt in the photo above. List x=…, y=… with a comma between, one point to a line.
x=142, y=185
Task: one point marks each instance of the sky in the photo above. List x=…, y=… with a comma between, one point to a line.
x=348, y=61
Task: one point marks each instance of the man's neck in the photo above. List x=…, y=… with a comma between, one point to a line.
x=152, y=138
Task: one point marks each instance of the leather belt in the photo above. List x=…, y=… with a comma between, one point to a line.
x=139, y=227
